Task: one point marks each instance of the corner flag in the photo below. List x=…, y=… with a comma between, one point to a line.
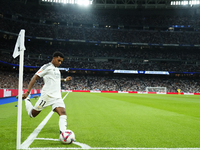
x=19, y=46
x=19, y=50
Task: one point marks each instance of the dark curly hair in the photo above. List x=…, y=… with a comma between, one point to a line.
x=57, y=53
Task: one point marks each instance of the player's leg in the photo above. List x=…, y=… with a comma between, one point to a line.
x=60, y=111
x=39, y=106
x=35, y=112
x=29, y=108
x=59, y=107
x=62, y=118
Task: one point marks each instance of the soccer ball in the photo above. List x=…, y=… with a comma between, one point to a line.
x=67, y=137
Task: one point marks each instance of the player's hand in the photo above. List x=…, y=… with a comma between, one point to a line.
x=69, y=78
x=25, y=95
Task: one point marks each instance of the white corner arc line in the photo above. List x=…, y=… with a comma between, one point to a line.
x=34, y=134
x=47, y=139
x=82, y=145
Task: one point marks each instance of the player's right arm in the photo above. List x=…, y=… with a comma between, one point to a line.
x=30, y=85
x=40, y=73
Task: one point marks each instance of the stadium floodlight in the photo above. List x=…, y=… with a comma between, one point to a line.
x=70, y=1
x=83, y=2
x=185, y=2
x=80, y=2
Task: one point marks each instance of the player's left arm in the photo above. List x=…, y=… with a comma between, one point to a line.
x=69, y=78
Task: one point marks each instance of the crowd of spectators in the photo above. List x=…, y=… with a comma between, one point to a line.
x=139, y=83
x=8, y=80
x=76, y=20
x=75, y=14
x=106, y=57
x=100, y=34
x=97, y=25
x=104, y=34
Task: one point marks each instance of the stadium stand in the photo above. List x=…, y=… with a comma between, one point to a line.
x=109, y=83
x=69, y=30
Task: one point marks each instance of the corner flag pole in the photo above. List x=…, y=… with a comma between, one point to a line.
x=19, y=50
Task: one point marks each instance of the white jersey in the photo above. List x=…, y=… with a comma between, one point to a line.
x=52, y=80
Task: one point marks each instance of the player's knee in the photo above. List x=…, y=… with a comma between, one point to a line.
x=34, y=113
x=63, y=112
x=60, y=111
x=30, y=114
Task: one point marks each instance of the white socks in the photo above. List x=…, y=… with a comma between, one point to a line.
x=29, y=107
x=63, y=123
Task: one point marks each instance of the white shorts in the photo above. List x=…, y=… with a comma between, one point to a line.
x=46, y=100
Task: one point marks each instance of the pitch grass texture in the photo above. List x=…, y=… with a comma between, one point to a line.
x=112, y=120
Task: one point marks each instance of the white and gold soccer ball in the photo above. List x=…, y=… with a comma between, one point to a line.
x=67, y=137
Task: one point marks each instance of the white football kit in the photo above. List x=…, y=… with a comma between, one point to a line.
x=51, y=91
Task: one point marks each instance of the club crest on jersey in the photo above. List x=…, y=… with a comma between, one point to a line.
x=40, y=70
x=57, y=74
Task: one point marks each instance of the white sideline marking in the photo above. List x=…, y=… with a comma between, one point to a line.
x=34, y=134
x=82, y=145
x=114, y=148
x=146, y=148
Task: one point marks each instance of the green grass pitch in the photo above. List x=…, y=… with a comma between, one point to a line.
x=112, y=121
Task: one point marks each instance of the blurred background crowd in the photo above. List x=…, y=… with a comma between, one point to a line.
x=128, y=26
x=108, y=83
